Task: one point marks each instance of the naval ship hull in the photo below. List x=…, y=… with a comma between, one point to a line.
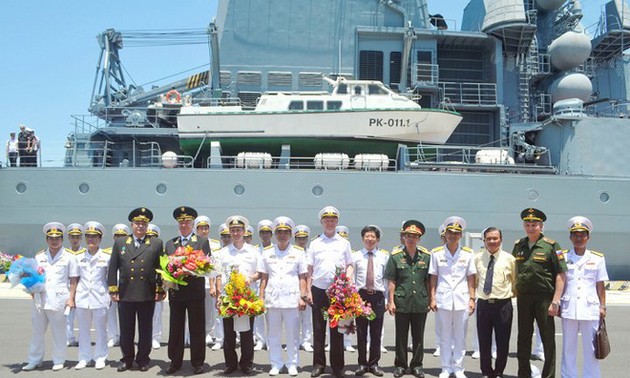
x=31, y=197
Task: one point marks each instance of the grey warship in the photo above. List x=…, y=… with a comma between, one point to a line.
x=542, y=101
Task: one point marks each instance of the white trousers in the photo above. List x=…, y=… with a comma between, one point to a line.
x=306, y=321
x=157, y=321
x=70, y=327
x=41, y=319
x=113, y=332
x=259, y=330
x=218, y=324
x=211, y=314
x=287, y=319
x=98, y=318
x=452, y=328
x=570, y=329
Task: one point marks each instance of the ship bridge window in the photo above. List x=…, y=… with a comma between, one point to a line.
x=296, y=105
x=342, y=89
x=315, y=105
x=333, y=105
x=358, y=90
x=375, y=89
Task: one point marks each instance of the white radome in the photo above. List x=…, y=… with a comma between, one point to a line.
x=169, y=159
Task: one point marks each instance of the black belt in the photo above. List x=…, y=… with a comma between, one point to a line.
x=370, y=292
x=494, y=301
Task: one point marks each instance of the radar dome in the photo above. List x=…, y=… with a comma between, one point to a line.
x=569, y=50
x=169, y=159
x=574, y=85
x=549, y=4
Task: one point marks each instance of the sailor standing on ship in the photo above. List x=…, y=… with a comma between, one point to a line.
x=75, y=237
x=452, y=296
x=265, y=233
x=187, y=302
x=226, y=239
x=302, y=233
x=583, y=300
x=62, y=275
x=327, y=253
x=283, y=289
x=134, y=283
x=92, y=299
x=541, y=270
x=202, y=228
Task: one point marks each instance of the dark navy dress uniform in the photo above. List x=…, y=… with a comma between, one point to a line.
x=189, y=299
x=132, y=276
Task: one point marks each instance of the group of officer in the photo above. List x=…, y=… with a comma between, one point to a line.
x=408, y=283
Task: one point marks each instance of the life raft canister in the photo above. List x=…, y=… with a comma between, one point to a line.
x=173, y=97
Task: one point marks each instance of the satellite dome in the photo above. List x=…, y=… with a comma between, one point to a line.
x=569, y=50
x=169, y=159
x=549, y=4
x=574, y=85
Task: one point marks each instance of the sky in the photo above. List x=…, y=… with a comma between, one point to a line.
x=50, y=54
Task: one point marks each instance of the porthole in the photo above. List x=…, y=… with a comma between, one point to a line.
x=161, y=189
x=317, y=190
x=533, y=194
x=604, y=197
x=239, y=189
x=84, y=187
x=20, y=188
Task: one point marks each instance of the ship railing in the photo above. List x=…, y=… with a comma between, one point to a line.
x=614, y=109
x=427, y=73
x=467, y=159
x=331, y=162
x=469, y=93
x=104, y=154
x=223, y=101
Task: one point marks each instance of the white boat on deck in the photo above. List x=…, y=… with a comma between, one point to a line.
x=355, y=111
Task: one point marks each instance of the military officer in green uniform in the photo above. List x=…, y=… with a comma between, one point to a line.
x=541, y=274
x=408, y=275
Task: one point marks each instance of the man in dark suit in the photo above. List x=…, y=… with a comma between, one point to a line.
x=189, y=298
x=135, y=285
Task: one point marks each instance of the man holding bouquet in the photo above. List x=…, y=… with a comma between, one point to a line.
x=187, y=299
x=327, y=253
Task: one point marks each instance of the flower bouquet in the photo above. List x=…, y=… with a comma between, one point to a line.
x=345, y=304
x=25, y=271
x=240, y=301
x=185, y=262
x=6, y=260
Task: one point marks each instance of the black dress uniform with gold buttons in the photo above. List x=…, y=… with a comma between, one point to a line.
x=411, y=298
x=132, y=276
x=536, y=267
x=187, y=299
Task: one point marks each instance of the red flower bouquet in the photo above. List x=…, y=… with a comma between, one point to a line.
x=345, y=304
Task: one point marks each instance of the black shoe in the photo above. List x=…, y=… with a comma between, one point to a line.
x=361, y=371
x=417, y=372
x=172, y=369
x=376, y=370
x=123, y=366
x=339, y=374
x=399, y=372
x=144, y=368
x=247, y=370
x=228, y=370
x=317, y=372
x=198, y=369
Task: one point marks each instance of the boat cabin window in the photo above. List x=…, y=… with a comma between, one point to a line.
x=296, y=105
x=315, y=105
x=333, y=105
x=358, y=90
x=374, y=89
x=342, y=89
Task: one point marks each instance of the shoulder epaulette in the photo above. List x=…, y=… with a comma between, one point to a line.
x=565, y=251
x=129, y=240
x=596, y=253
x=315, y=237
x=517, y=241
x=298, y=247
x=424, y=250
x=216, y=249
x=215, y=241
x=267, y=247
x=384, y=251
x=396, y=251
x=547, y=240
x=80, y=251
x=107, y=251
x=40, y=252
x=436, y=249
x=467, y=249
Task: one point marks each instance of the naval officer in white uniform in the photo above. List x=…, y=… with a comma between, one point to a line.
x=301, y=234
x=75, y=233
x=119, y=230
x=583, y=301
x=62, y=275
x=92, y=298
x=283, y=272
x=265, y=232
x=453, y=273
